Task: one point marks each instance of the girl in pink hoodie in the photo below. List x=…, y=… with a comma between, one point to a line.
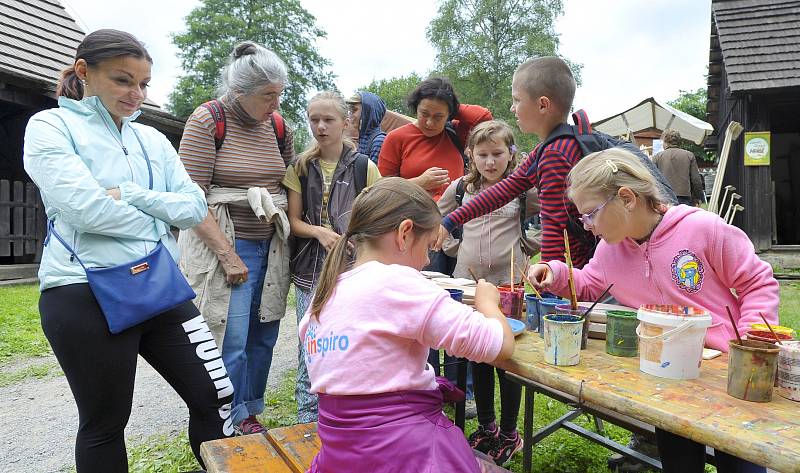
x=655, y=253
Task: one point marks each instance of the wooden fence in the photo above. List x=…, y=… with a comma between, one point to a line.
x=22, y=220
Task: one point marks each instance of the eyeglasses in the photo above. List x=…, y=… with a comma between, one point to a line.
x=588, y=218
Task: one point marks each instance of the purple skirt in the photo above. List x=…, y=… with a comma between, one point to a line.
x=403, y=431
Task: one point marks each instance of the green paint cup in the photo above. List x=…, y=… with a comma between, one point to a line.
x=621, y=338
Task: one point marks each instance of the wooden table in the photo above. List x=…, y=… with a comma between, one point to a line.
x=764, y=433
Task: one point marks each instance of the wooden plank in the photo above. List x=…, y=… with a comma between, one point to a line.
x=5, y=218
x=243, y=454
x=30, y=219
x=764, y=433
x=18, y=224
x=297, y=444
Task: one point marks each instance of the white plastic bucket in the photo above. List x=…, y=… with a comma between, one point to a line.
x=789, y=370
x=671, y=340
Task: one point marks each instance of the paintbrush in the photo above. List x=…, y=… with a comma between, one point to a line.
x=586, y=314
x=512, y=269
x=525, y=278
x=770, y=328
x=573, y=296
x=735, y=329
x=472, y=273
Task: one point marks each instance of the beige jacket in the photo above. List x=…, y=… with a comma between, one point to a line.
x=205, y=274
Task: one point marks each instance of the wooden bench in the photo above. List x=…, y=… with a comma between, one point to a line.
x=282, y=450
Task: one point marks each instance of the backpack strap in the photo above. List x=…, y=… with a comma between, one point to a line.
x=450, y=130
x=460, y=188
x=582, y=124
x=279, y=126
x=360, y=170
x=214, y=107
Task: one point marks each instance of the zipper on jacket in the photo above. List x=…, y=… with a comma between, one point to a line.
x=648, y=267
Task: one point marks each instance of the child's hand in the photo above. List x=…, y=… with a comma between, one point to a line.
x=434, y=178
x=440, y=238
x=327, y=237
x=487, y=298
x=541, y=276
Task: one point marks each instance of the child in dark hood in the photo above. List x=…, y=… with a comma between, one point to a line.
x=366, y=112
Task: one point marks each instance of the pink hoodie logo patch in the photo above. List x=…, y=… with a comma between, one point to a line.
x=687, y=271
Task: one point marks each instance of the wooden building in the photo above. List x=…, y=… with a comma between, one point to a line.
x=38, y=39
x=754, y=79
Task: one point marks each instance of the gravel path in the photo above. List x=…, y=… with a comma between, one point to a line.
x=39, y=419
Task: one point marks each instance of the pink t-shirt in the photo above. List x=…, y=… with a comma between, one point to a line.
x=373, y=335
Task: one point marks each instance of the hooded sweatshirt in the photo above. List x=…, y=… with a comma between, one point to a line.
x=692, y=258
x=370, y=135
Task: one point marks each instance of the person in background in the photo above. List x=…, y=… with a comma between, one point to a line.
x=237, y=259
x=366, y=113
x=90, y=161
x=679, y=166
x=654, y=252
x=367, y=334
x=322, y=185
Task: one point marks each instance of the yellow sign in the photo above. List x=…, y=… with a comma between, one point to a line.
x=756, y=148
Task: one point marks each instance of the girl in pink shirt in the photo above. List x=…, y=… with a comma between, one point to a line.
x=655, y=253
x=367, y=335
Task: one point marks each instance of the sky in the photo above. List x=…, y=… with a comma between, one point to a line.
x=628, y=52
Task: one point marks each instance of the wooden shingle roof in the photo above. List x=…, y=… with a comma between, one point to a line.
x=760, y=42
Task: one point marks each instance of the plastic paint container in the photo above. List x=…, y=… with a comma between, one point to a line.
x=511, y=302
x=456, y=294
x=562, y=339
x=532, y=312
x=566, y=309
x=751, y=370
x=789, y=370
x=779, y=329
x=766, y=336
x=621, y=338
x=548, y=306
x=671, y=340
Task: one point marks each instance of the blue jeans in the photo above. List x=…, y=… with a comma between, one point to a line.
x=248, y=343
x=307, y=402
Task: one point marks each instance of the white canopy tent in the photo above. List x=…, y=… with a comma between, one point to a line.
x=651, y=113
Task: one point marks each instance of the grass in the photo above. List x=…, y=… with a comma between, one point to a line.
x=20, y=330
x=38, y=371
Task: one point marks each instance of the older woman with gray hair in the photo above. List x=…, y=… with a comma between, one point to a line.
x=237, y=148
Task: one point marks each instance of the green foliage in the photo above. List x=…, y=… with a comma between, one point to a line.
x=164, y=453
x=789, y=309
x=20, y=329
x=394, y=91
x=216, y=26
x=38, y=371
x=693, y=103
x=480, y=43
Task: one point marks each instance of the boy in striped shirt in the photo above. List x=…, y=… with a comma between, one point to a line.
x=542, y=91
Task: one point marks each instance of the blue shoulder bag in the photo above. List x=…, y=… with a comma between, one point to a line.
x=137, y=291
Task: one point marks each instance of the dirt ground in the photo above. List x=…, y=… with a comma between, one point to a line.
x=39, y=419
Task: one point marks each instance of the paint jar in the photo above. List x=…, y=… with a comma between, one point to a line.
x=671, y=340
x=751, y=370
x=621, y=338
x=789, y=370
x=511, y=301
x=778, y=329
x=456, y=294
x=766, y=336
x=548, y=306
x=566, y=309
x=562, y=339
x=532, y=312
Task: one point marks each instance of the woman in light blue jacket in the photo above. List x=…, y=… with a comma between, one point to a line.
x=89, y=161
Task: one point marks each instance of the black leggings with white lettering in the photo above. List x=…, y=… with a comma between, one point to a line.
x=100, y=368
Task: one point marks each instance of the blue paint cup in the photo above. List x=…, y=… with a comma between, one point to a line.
x=456, y=294
x=532, y=312
x=548, y=306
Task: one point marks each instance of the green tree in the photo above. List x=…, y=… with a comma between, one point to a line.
x=216, y=26
x=479, y=44
x=394, y=91
x=693, y=103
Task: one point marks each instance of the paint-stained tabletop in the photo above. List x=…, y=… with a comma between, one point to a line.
x=765, y=433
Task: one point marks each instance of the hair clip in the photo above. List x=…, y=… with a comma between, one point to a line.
x=513, y=148
x=614, y=168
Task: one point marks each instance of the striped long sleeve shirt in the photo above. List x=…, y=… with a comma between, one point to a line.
x=550, y=178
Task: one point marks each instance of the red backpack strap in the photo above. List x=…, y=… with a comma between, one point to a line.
x=214, y=107
x=581, y=121
x=279, y=126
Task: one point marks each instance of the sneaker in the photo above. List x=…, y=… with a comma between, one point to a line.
x=505, y=447
x=470, y=409
x=483, y=440
x=250, y=425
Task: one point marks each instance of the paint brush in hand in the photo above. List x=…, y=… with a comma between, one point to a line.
x=770, y=328
x=573, y=296
x=735, y=329
x=472, y=273
x=589, y=310
x=525, y=278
